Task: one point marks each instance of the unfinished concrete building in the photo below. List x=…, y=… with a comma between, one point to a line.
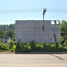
x=27, y=30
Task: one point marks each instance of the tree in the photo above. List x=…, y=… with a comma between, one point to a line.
x=10, y=33
x=1, y=33
x=7, y=27
x=63, y=27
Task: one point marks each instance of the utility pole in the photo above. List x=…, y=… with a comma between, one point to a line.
x=44, y=11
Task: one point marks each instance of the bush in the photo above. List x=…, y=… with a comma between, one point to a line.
x=39, y=49
x=0, y=50
x=60, y=48
x=65, y=44
x=18, y=47
x=4, y=47
x=65, y=48
x=13, y=48
x=11, y=44
x=26, y=49
x=13, y=38
x=23, y=47
x=47, y=47
x=50, y=47
x=33, y=45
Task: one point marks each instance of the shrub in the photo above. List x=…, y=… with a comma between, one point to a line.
x=13, y=38
x=11, y=44
x=4, y=47
x=0, y=50
x=60, y=48
x=12, y=50
x=65, y=44
x=47, y=47
x=18, y=47
x=65, y=48
x=33, y=45
x=39, y=49
x=26, y=49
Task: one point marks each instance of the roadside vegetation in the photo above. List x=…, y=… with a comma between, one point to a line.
x=32, y=47
x=9, y=30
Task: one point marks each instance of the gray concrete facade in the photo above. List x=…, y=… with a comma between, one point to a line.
x=27, y=30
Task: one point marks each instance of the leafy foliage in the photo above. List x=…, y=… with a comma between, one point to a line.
x=10, y=33
x=1, y=33
x=7, y=30
x=21, y=47
x=63, y=27
x=7, y=27
x=4, y=47
x=11, y=44
x=33, y=44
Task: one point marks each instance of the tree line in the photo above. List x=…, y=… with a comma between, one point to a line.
x=7, y=27
x=7, y=30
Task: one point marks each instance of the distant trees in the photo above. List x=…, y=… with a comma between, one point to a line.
x=12, y=26
x=10, y=33
x=7, y=27
x=1, y=33
x=7, y=30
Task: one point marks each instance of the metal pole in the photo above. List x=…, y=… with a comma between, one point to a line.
x=43, y=26
x=43, y=31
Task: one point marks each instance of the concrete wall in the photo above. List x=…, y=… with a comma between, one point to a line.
x=27, y=30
